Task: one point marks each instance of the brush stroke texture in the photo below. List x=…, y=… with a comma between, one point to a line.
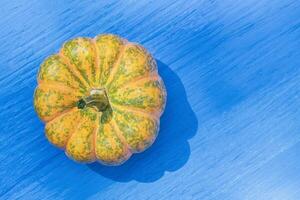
x=231, y=128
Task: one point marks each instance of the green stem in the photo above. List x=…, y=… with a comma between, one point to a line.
x=97, y=99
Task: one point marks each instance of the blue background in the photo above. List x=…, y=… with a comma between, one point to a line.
x=231, y=125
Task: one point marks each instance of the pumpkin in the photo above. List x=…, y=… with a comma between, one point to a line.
x=101, y=99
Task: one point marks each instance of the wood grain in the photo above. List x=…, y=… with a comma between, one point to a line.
x=231, y=125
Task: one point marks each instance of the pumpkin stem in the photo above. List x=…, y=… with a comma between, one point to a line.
x=97, y=99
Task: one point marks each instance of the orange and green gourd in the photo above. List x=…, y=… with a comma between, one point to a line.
x=101, y=99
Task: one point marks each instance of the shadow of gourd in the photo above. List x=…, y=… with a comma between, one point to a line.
x=171, y=149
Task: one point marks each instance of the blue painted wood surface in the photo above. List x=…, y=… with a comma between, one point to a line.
x=231, y=125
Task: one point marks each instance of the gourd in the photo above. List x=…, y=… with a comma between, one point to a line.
x=101, y=99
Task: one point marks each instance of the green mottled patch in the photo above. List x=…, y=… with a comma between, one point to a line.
x=135, y=62
x=60, y=128
x=88, y=113
x=80, y=53
x=109, y=47
x=138, y=130
x=110, y=149
x=80, y=145
x=50, y=102
x=53, y=69
x=146, y=94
